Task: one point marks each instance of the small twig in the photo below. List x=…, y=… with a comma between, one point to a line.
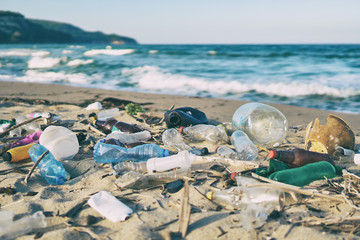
x=96, y=130
x=19, y=125
x=34, y=166
x=184, y=218
x=11, y=138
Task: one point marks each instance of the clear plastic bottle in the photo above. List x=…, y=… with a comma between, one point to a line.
x=107, y=153
x=226, y=152
x=265, y=125
x=17, y=228
x=30, y=127
x=173, y=140
x=203, y=132
x=123, y=167
x=244, y=146
x=182, y=160
x=108, y=113
x=52, y=170
x=128, y=138
x=30, y=138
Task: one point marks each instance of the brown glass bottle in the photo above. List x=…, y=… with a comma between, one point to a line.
x=299, y=157
x=108, y=126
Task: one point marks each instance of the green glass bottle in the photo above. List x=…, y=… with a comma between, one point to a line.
x=306, y=174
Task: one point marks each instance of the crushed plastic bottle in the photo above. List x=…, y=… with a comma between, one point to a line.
x=30, y=138
x=128, y=138
x=244, y=147
x=110, y=125
x=299, y=157
x=52, y=170
x=203, y=132
x=173, y=140
x=184, y=116
x=199, y=152
x=123, y=167
x=226, y=152
x=265, y=125
x=17, y=154
x=107, y=153
x=14, y=229
x=29, y=128
x=306, y=174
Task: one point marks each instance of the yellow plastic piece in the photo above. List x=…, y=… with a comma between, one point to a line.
x=210, y=195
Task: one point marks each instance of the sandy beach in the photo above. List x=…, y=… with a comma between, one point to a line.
x=156, y=214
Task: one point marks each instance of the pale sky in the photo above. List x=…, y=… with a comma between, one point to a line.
x=205, y=21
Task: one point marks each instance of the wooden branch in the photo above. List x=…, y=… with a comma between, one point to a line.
x=96, y=130
x=184, y=218
x=34, y=166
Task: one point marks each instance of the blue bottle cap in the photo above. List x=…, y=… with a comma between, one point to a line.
x=166, y=153
x=60, y=180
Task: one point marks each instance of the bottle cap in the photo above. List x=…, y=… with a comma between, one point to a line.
x=166, y=153
x=60, y=180
x=273, y=154
x=232, y=176
x=181, y=129
x=204, y=151
x=216, y=148
x=210, y=195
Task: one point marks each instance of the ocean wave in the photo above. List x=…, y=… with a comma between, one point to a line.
x=24, y=53
x=156, y=79
x=113, y=52
x=78, y=62
x=47, y=62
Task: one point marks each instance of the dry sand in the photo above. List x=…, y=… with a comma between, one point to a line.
x=152, y=208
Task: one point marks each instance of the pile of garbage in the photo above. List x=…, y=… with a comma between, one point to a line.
x=170, y=152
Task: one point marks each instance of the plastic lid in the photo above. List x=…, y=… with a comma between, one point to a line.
x=181, y=129
x=166, y=153
x=232, y=176
x=60, y=180
x=273, y=154
x=210, y=195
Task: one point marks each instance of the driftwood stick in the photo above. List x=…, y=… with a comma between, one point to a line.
x=96, y=130
x=19, y=125
x=34, y=166
x=184, y=218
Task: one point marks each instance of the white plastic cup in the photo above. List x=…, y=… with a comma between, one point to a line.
x=60, y=141
x=181, y=160
x=94, y=106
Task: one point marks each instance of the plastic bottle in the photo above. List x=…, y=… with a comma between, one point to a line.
x=61, y=142
x=123, y=167
x=299, y=157
x=30, y=127
x=203, y=132
x=226, y=152
x=244, y=147
x=48, y=116
x=304, y=175
x=173, y=140
x=265, y=125
x=17, y=228
x=108, y=113
x=185, y=116
x=128, y=138
x=343, y=155
x=52, y=170
x=30, y=138
x=106, y=153
x=181, y=160
x=199, y=152
x=109, y=125
x=17, y=154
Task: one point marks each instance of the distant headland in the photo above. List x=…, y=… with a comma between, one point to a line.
x=15, y=28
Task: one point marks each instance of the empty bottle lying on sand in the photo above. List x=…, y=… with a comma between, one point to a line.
x=52, y=170
x=107, y=126
x=29, y=127
x=203, y=132
x=184, y=116
x=107, y=153
x=47, y=116
x=265, y=125
x=182, y=160
x=17, y=154
x=10, y=229
x=136, y=180
x=299, y=157
x=128, y=138
x=244, y=147
x=172, y=139
x=306, y=174
x=255, y=203
x=28, y=139
x=226, y=152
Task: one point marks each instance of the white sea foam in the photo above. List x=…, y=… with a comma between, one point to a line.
x=67, y=52
x=155, y=79
x=24, y=53
x=153, y=51
x=113, y=52
x=76, y=46
x=212, y=52
x=48, y=62
x=78, y=62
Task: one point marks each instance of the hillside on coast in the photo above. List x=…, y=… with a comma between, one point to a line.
x=15, y=28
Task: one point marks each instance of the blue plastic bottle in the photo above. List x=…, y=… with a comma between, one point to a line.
x=52, y=170
x=107, y=153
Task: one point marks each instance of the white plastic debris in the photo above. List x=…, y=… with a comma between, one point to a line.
x=110, y=207
x=94, y=106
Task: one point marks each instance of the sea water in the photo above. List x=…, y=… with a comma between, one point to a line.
x=317, y=76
